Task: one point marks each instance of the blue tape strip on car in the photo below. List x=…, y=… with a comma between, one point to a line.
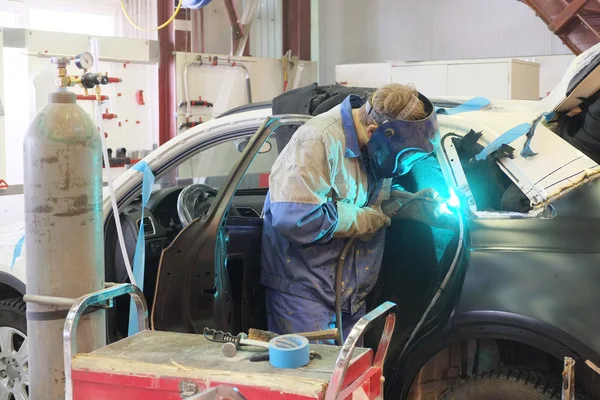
x=289, y=351
x=140, y=247
x=17, y=251
x=506, y=138
x=526, y=152
x=474, y=104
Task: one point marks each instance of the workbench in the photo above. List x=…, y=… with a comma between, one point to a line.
x=156, y=365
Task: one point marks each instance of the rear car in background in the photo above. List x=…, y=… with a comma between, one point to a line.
x=523, y=289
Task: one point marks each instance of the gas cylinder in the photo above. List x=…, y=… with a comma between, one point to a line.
x=64, y=245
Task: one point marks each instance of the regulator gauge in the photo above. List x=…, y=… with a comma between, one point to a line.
x=84, y=60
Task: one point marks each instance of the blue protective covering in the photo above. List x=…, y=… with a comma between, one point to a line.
x=17, y=251
x=475, y=104
x=396, y=145
x=506, y=138
x=526, y=152
x=195, y=4
x=139, y=259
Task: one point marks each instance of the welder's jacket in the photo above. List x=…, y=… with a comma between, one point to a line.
x=318, y=185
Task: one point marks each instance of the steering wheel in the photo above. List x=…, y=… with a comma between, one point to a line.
x=193, y=202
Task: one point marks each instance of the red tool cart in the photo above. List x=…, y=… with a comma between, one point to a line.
x=153, y=365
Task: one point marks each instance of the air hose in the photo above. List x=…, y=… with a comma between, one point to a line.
x=113, y=199
x=342, y=259
x=442, y=287
x=338, y=290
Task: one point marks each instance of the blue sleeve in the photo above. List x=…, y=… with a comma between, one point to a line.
x=305, y=224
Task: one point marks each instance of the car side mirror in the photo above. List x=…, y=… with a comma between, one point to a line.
x=241, y=144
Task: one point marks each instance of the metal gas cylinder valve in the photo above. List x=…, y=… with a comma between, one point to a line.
x=83, y=61
x=90, y=80
x=62, y=79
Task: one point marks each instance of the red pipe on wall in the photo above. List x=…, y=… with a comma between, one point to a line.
x=91, y=97
x=296, y=28
x=166, y=75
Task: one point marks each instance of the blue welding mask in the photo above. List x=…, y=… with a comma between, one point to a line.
x=397, y=144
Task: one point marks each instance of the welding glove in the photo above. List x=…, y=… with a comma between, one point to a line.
x=421, y=206
x=359, y=222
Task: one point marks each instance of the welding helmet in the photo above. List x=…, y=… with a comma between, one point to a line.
x=397, y=144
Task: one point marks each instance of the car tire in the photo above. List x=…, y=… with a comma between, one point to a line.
x=14, y=367
x=508, y=384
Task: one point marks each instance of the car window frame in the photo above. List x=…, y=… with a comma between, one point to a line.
x=227, y=191
x=457, y=182
x=198, y=152
x=128, y=186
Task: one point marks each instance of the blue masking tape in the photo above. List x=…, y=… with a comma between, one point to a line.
x=17, y=251
x=474, y=104
x=526, y=152
x=140, y=246
x=289, y=351
x=506, y=138
x=549, y=116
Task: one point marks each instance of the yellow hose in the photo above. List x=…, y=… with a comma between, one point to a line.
x=150, y=29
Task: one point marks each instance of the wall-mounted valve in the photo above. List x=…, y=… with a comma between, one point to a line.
x=201, y=103
x=189, y=124
x=90, y=80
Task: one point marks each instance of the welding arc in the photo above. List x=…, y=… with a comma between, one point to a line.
x=150, y=29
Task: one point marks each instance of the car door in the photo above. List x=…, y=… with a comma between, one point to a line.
x=194, y=289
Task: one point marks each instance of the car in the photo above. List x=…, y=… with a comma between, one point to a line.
x=490, y=308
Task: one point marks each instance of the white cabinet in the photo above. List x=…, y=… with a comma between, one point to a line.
x=429, y=79
x=363, y=75
x=493, y=78
x=487, y=79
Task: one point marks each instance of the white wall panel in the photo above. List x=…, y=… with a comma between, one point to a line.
x=266, y=32
x=217, y=29
x=353, y=31
x=2, y=114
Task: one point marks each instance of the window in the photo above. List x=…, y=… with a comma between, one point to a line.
x=212, y=166
x=16, y=117
x=71, y=22
x=8, y=19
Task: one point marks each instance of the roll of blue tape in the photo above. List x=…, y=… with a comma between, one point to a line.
x=289, y=351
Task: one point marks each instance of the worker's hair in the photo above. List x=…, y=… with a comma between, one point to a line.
x=391, y=100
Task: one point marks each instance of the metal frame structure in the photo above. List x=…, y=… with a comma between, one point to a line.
x=334, y=390
x=297, y=28
x=215, y=62
x=577, y=22
x=166, y=76
x=102, y=298
x=240, y=27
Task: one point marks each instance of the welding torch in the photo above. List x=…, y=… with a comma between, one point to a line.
x=428, y=208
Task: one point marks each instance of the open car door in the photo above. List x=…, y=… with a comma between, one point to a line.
x=193, y=287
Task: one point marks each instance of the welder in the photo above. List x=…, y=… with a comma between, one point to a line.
x=326, y=188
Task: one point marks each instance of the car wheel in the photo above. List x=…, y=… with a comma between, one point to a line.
x=14, y=367
x=507, y=384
